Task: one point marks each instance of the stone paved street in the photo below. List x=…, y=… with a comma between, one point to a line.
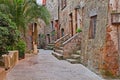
x=44, y=66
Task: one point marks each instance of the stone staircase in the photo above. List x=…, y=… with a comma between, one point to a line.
x=65, y=47
x=58, y=50
x=50, y=46
x=75, y=58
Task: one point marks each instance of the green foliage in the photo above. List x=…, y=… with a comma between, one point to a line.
x=8, y=33
x=53, y=33
x=21, y=46
x=107, y=73
x=79, y=30
x=24, y=11
x=42, y=36
x=21, y=12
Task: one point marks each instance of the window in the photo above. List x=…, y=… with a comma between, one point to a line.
x=92, y=28
x=63, y=4
x=115, y=18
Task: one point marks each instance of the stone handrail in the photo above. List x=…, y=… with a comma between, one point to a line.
x=59, y=42
x=11, y=59
x=73, y=37
x=72, y=45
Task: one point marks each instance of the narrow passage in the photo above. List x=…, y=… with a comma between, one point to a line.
x=45, y=66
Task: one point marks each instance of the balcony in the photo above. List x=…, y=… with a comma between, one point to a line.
x=115, y=18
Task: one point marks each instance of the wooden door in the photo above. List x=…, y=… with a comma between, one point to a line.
x=71, y=24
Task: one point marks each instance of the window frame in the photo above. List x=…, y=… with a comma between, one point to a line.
x=92, y=28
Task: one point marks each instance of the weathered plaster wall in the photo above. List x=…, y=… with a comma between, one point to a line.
x=91, y=48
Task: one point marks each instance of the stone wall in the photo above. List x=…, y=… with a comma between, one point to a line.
x=65, y=18
x=91, y=48
x=100, y=53
x=11, y=59
x=52, y=6
x=110, y=51
x=2, y=74
x=72, y=45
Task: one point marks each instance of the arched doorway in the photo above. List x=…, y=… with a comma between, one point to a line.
x=48, y=38
x=62, y=32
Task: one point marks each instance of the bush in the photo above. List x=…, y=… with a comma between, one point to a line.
x=8, y=34
x=21, y=47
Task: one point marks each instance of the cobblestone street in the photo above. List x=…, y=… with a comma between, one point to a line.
x=44, y=66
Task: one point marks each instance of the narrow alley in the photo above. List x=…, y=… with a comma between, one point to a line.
x=44, y=66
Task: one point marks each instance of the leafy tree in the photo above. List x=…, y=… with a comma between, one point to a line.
x=9, y=33
x=23, y=12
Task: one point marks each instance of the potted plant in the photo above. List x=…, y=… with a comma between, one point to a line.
x=78, y=30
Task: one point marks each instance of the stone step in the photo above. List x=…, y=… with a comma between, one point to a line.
x=73, y=61
x=59, y=51
x=61, y=48
x=57, y=55
x=75, y=56
x=51, y=44
x=49, y=47
x=78, y=51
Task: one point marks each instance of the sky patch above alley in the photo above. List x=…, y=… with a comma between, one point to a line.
x=39, y=2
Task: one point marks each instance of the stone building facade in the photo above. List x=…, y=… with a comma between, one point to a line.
x=53, y=29
x=100, y=45
x=35, y=34
x=94, y=22
x=100, y=41
x=68, y=17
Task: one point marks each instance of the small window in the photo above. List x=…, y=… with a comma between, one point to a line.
x=92, y=28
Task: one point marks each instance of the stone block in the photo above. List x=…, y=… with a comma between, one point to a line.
x=11, y=59
x=2, y=74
